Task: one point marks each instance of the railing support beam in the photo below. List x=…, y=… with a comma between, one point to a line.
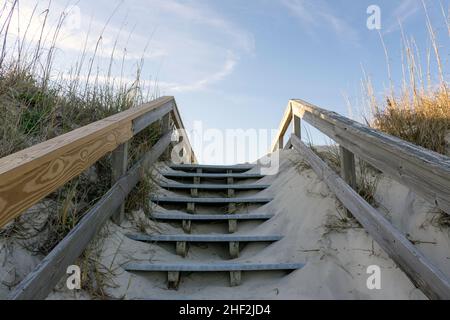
x=119, y=168
x=297, y=129
x=348, y=171
x=165, y=127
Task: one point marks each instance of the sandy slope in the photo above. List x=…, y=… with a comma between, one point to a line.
x=307, y=215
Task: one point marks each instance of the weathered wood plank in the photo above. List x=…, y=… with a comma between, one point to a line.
x=235, y=278
x=181, y=248
x=31, y=174
x=284, y=125
x=211, y=217
x=203, y=238
x=425, y=172
x=213, y=168
x=39, y=283
x=348, y=170
x=41, y=153
x=212, y=267
x=418, y=268
x=165, y=128
x=297, y=128
x=20, y=191
x=163, y=199
x=194, y=191
x=179, y=125
x=213, y=175
x=234, y=249
x=147, y=119
x=214, y=186
x=119, y=159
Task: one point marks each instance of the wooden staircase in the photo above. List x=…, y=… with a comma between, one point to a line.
x=31, y=175
x=211, y=179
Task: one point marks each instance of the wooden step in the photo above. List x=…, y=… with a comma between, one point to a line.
x=182, y=240
x=212, y=168
x=211, y=217
x=235, y=269
x=163, y=199
x=214, y=186
x=203, y=238
x=213, y=175
x=232, y=219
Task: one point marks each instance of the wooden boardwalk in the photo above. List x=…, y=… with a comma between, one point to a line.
x=33, y=174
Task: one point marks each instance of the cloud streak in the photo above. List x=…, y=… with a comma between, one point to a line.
x=315, y=15
x=203, y=83
x=406, y=10
x=191, y=45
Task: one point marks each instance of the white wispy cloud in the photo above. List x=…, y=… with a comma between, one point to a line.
x=404, y=11
x=191, y=45
x=317, y=14
x=203, y=83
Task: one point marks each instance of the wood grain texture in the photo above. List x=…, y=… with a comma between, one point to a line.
x=425, y=172
x=211, y=217
x=119, y=162
x=297, y=126
x=214, y=186
x=148, y=118
x=179, y=125
x=36, y=155
x=417, y=267
x=29, y=175
x=21, y=191
x=213, y=168
x=284, y=125
x=39, y=283
x=348, y=170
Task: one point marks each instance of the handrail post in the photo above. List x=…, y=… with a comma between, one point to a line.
x=165, y=127
x=119, y=168
x=348, y=171
x=296, y=122
x=280, y=142
x=447, y=143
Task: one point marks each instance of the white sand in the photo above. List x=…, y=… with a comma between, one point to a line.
x=336, y=261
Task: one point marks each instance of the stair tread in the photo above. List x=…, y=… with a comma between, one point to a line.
x=215, y=266
x=212, y=175
x=209, y=200
x=212, y=217
x=204, y=238
x=214, y=186
x=212, y=168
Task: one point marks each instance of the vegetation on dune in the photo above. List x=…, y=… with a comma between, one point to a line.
x=422, y=118
x=38, y=104
x=420, y=112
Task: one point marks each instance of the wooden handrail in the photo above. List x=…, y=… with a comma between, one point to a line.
x=41, y=281
x=422, y=272
x=35, y=172
x=29, y=175
x=284, y=125
x=425, y=172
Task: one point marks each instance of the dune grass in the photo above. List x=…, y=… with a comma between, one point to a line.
x=419, y=112
x=37, y=103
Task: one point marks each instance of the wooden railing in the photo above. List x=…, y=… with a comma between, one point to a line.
x=28, y=176
x=425, y=172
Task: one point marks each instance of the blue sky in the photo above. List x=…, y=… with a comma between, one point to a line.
x=235, y=64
